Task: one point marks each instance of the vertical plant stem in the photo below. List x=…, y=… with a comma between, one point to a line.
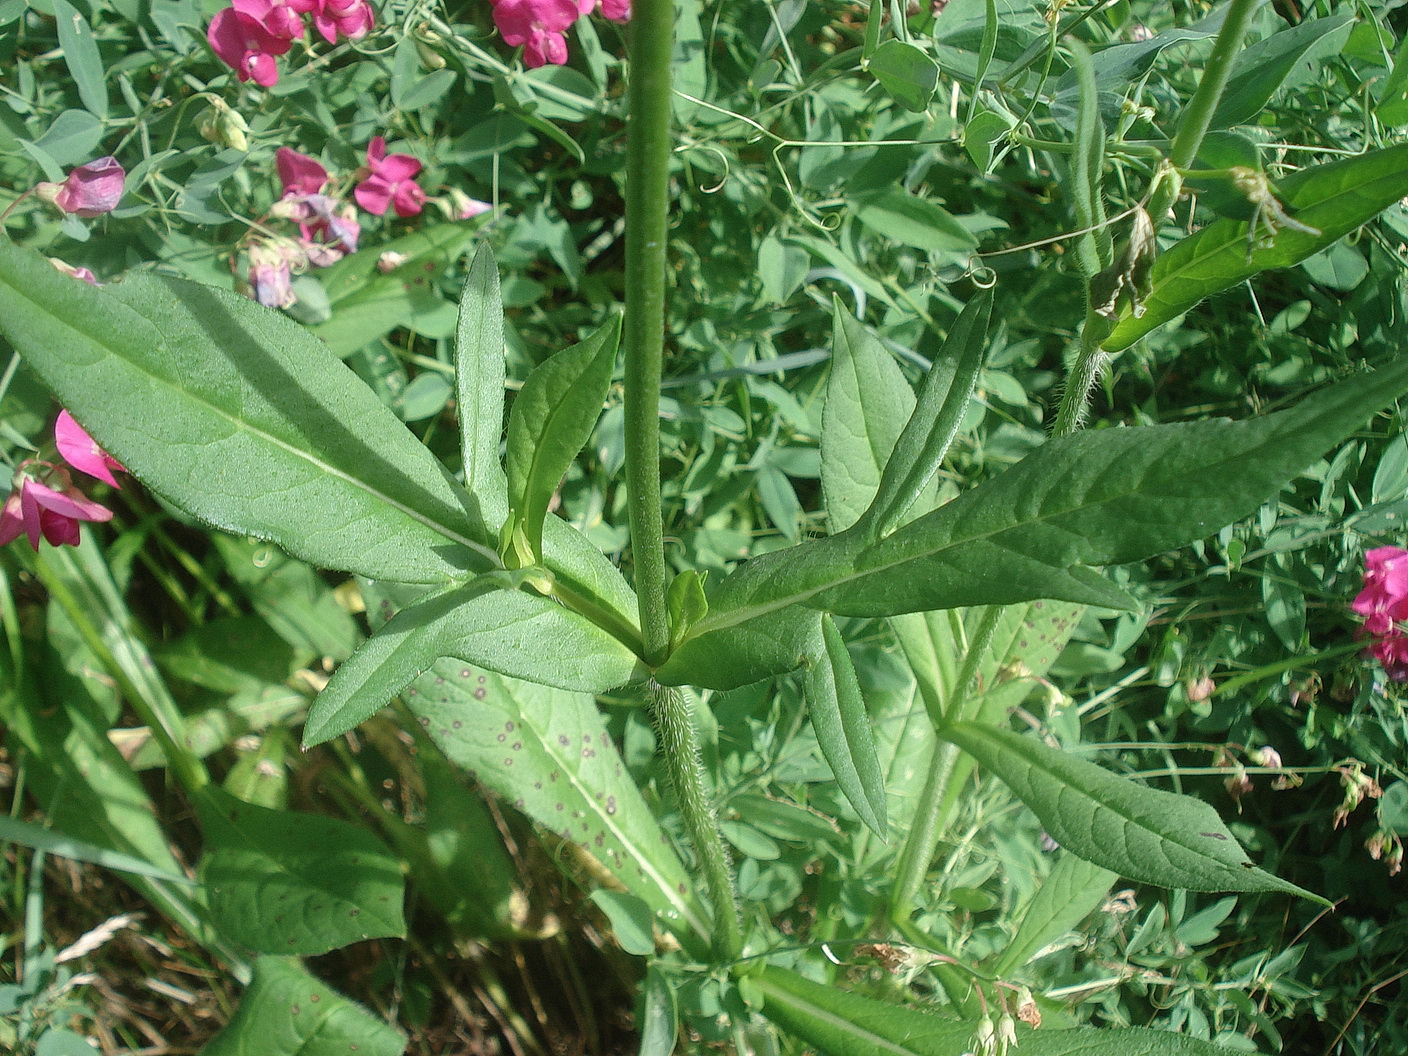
x=1084, y=373
x=681, y=750
x=918, y=849
x=651, y=46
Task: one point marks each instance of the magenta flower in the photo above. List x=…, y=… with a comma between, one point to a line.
x=352, y=19
x=299, y=173
x=53, y=513
x=390, y=182
x=247, y=45
x=77, y=273
x=616, y=10
x=538, y=26
x=82, y=452
x=1384, y=605
x=89, y=190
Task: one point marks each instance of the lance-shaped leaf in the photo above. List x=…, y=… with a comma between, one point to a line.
x=840, y=1023
x=509, y=631
x=295, y=883
x=479, y=385
x=1066, y=897
x=287, y=1011
x=552, y=418
x=868, y=401
x=1141, y=833
x=1333, y=199
x=238, y=415
x=842, y=726
x=547, y=752
x=939, y=411
x=1101, y=497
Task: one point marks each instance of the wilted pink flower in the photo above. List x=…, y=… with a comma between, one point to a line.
x=456, y=205
x=38, y=510
x=247, y=45
x=390, y=182
x=1384, y=605
x=77, y=273
x=271, y=274
x=89, y=190
x=352, y=19
x=82, y=452
x=299, y=173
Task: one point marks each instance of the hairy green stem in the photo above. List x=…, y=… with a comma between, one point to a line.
x=650, y=47
x=919, y=845
x=1084, y=373
x=678, y=743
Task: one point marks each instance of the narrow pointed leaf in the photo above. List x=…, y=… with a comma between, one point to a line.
x=1334, y=199
x=1067, y=896
x=547, y=752
x=280, y=882
x=239, y=416
x=479, y=386
x=287, y=1011
x=81, y=55
x=552, y=418
x=840, y=1023
x=1141, y=833
x=939, y=411
x=509, y=631
x=868, y=401
x=842, y=726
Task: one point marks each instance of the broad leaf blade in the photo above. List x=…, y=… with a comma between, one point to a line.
x=1139, y=832
x=552, y=418
x=547, y=753
x=842, y=726
x=479, y=382
x=840, y=1023
x=239, y=416
x=1334, y=199
x=289, y=1012
x=295, y=883
x=868, y=401
x=509, y=631
x=1263, y=67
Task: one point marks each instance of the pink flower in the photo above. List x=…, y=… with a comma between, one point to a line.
x=280, y=19
x=390, y=182
x=300, y=173
x=1384, y=605
x=82, y=452
x=36, y=509
x=89, y=190
x=352, y=19
x=616, y=10
x=457, y=205
x=538, y=26
x=247, y=46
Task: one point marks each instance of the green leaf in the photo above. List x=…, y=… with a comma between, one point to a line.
x=631, y=920
x=1263, y=67
x=552, y=418
x=942, y=404
x=868, y=401
x=840, y=1023
x=1141, y=833
x=1334, y=199
x=56, y=1041
x=660, y=1015
x=295, y=883
x=242, y=418
x=509, y=631
x=82, y=58
x=1067, y=896
x=901, y=217
x=288, y=1012
x=12, y=830
x=842, y=726
x=908, y=75
x=1105, y=496
x=547, y=752
x=479, y=381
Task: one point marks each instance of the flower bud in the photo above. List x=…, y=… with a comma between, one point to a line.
x=223, y=125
